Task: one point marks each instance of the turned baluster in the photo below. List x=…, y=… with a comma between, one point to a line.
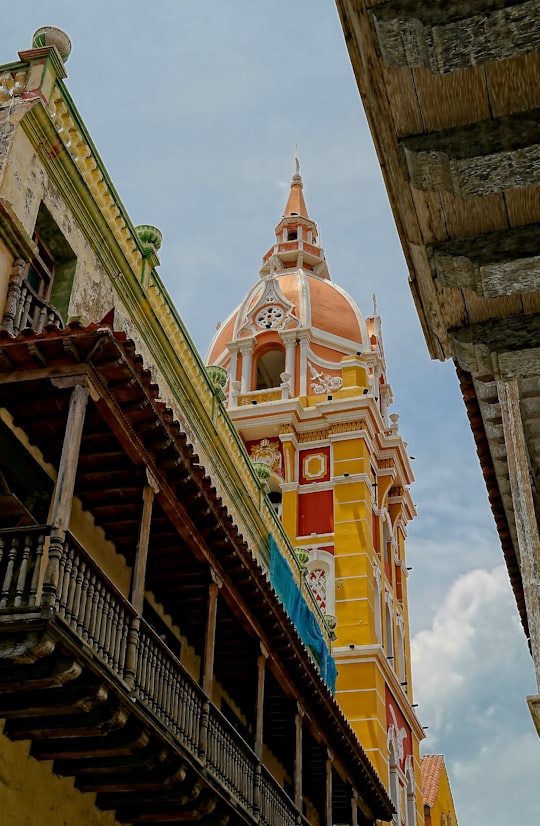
x=67, y=564
x=83, y=599
x=2, y=546
x=22, y=309
x=32, y=593
x=101, y=630
x=26, y=303
x=124, y=644
x=153, y=678
x=12, y=555
x=41, y=319
x=158, y=682
x=149, y=670
x=181, y=714
x=175, y=706
x=23, y=570
x=142, y=665
x=100, y=620
x=77, y=609
x=109, y=607
x=94, y=618
x=88, y=604
x=13, y=298
x=117, y=624
x=169, y=682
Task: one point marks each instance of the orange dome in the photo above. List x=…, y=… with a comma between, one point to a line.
x=301, y=300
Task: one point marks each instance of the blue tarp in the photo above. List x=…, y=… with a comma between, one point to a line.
x=294, y=603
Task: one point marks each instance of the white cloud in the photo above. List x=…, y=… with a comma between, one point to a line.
x=470, y=670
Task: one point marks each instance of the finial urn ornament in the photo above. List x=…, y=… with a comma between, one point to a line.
x=51, y=36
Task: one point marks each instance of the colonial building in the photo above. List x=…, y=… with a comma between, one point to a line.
x=308, y=391
x=148, y=671
x=452, y=95
x=438, y=803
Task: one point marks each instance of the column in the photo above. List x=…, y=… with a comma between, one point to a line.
x=524, y=513
x=289, y=339
x=354, y=808
x=328, y=790
x=138, y=576
x=246, y=351
x=233, y=350
x=302, y=390
x=259, y=732
x=298, y=717
x=63, y=491
x=259, y=703
x=207, y=676
x=207, y=670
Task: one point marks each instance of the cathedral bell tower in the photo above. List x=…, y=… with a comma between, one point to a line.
x=307, y=390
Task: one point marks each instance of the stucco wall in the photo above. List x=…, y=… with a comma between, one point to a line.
x=31, y=795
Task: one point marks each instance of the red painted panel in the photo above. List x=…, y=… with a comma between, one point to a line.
x=395, y=718
x=318, y=470
x=316, y=513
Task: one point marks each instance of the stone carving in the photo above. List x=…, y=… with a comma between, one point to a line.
x=268, y=453
x=323, y=382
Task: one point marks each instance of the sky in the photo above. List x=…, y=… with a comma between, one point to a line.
x=196, y=109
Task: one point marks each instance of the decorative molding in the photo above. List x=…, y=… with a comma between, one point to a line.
x=323, y=382
x=271, y=311
x=12, y=84
x=85, y=157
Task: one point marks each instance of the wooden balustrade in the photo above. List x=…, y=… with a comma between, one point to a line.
x=89, y=603
x=277, y=809
x=230, y=758
x=163, y=684
x=21, y=551
x=33, y=311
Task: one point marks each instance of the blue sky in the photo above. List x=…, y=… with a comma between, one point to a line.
x=196, y=109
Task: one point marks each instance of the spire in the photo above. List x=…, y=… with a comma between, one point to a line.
x=296, y=204
x=296, y=245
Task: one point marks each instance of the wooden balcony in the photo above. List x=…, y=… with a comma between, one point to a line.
x=94, y=656
x=213, y=709
x=24, y=307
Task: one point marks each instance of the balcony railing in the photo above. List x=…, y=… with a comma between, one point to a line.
x=25, y=308
x=95, y=610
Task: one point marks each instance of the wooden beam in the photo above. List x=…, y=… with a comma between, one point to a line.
x=524, y=510
x=63, y=492
x=298, y=717
x=259, y=702
x=210, y=636
x=328, y=790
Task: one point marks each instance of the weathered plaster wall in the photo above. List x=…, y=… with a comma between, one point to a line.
x=31, y=795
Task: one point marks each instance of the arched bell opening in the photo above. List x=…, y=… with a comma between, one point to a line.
x=269, y=367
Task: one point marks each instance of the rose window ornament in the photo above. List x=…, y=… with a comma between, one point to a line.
x=270, y=316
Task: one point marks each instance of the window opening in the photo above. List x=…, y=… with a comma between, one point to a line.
x=269, y=368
